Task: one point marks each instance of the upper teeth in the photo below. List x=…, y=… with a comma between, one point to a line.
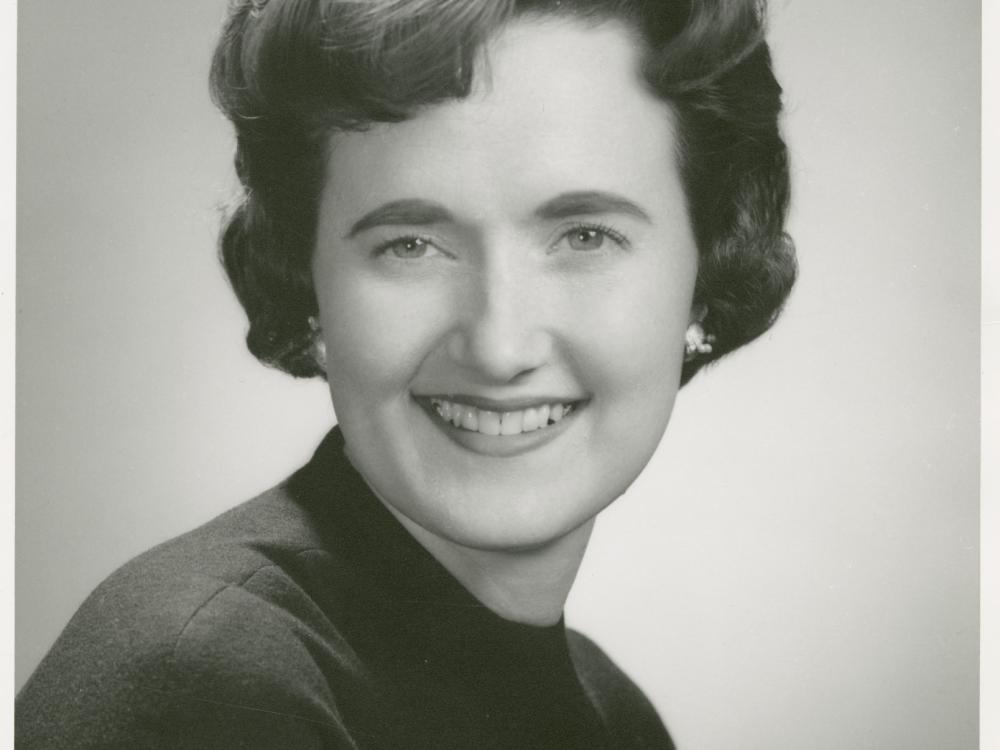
x=497, y=422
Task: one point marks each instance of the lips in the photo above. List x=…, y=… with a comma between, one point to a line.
x=496, y=419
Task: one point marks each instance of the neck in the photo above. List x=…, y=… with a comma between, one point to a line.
x=529, y=586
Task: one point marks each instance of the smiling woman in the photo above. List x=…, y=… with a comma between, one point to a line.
x=556, y=268
x=505, y=234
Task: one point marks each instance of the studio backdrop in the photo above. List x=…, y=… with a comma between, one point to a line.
x=798, y=566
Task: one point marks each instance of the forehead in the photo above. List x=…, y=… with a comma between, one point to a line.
x=557, y=104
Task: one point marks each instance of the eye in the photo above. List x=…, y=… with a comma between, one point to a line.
x=589, y=238
x=408, y=248
x=585, y=239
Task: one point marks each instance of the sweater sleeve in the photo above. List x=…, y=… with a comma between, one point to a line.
x=195, y=664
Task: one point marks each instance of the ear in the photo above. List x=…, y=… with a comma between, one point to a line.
x=699, y=312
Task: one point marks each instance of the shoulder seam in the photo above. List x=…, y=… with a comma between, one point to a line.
x=208, y=600
x=226, y=585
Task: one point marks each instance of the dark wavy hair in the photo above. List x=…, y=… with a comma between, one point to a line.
x=289, y=72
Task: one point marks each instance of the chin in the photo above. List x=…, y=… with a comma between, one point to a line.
x=523, y=524
x=506, y=512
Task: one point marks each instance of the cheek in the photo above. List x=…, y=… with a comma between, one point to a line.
x=375, y=336
x=634, y=339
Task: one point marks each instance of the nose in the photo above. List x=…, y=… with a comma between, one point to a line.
x=502, y=327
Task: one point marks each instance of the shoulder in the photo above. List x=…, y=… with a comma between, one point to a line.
x=257, y=558
x=215, y=632
x=624, y=708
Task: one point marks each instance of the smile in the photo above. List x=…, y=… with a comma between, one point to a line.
x=494, y=422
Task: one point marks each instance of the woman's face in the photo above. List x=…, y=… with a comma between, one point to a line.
x=504, y=283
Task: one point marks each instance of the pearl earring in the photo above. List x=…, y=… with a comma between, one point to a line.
x=696, y=341
x=317, y=345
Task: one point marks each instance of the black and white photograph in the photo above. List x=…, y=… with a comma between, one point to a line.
x=498, y=375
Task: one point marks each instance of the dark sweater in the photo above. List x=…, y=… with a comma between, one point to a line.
x=309, y=618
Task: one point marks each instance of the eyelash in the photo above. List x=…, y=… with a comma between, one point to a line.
x=610, y=232
x=385, y=248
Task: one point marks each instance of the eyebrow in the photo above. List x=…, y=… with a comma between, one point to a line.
x=589, y=202
x=416, y=212
x=412, y=212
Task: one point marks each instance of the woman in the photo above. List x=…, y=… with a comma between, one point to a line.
x=505, y=233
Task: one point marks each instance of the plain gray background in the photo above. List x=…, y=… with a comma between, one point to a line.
x=797, y=568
